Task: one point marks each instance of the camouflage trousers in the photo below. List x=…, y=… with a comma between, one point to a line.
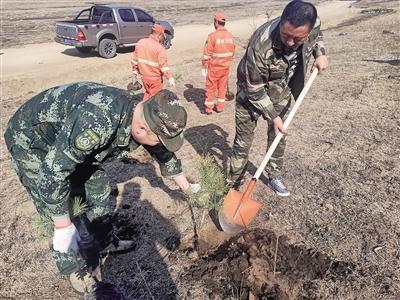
x=89, y=182
x=246, y=118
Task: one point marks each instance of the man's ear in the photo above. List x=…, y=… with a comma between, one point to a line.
x=141, y=129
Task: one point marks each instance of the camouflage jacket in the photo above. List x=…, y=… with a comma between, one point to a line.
x=262, y=72
x=74, y=124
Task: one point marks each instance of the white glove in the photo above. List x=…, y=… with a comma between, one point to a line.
x=171, y=81
x=194, y=188
x=65, y=239
x=204, y=72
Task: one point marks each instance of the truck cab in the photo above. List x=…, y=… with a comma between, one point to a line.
x=105, y=27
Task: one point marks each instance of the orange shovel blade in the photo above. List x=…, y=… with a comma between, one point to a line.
x=239, y=209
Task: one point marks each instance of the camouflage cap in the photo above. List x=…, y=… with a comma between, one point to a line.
x=167, y=118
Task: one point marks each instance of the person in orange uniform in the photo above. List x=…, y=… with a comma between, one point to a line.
x=217, y=57
x=150, y=61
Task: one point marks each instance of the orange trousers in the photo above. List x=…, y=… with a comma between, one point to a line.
x=216, y=81
x=151, y=86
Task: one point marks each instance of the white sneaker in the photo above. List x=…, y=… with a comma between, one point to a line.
x=277, y=185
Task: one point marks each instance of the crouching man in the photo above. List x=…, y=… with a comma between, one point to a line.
x=58, y=141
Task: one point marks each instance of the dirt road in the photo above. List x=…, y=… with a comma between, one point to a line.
x=36, y=67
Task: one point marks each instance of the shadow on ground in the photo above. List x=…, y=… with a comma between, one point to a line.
x=75, y=53
x=142, y=273
x=210, y=139
x=195, y=95
x=392, y=62
x=140, y=166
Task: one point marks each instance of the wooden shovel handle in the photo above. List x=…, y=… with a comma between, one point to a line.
x=246, y=195
x=249, y=189
x=285, y=124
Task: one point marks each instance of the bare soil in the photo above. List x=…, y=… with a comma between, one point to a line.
x=336, y=237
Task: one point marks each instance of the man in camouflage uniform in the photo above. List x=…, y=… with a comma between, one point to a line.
x=270, y=77
x=59, y=139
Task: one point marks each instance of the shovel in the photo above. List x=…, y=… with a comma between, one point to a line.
x=239, y=209
x=229, y=95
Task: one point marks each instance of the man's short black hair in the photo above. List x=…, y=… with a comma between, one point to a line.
x=299, y=13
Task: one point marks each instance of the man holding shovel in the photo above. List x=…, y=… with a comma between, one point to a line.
x=58, y=142
x=270, y=77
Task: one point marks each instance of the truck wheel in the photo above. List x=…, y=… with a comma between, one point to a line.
x=107, y=48
x=84, y=49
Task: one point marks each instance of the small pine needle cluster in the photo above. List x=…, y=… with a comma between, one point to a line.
x=213, y=186
x=79, y=206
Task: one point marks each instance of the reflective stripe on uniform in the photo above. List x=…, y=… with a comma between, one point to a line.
x=148, y=62
x=220, y=100
x=134, y=61
x=209, y=103
x=206, y=56
x=225, y=54
x=164, y=69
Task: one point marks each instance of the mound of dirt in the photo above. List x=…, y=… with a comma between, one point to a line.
x=259, y=263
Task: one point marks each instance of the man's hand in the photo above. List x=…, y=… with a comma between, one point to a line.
x=321, y=63
x=65, y=239
x=171, y=81
x=204, y=72
x=185, y=185
x=278, y=125
x=182, y=182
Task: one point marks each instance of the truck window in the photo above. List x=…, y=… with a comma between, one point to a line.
x=102, y=13
x=84, y=15
x=126, y=15
x=143, y=16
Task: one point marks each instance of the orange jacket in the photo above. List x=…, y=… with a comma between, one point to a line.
x=150, y=59
x=218, y=50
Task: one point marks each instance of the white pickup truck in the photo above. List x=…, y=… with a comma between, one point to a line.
x=103, y=28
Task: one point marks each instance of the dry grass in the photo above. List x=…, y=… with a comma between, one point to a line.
x=44, y=225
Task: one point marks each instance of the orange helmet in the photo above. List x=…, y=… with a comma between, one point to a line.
x=220, y=17
x=158, y=28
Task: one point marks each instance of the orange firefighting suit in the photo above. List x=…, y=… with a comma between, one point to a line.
x=217, y=57
x=150, y=60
